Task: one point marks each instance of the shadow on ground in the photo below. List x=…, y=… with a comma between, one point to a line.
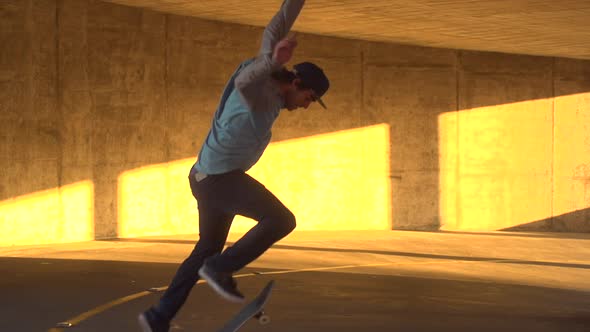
x=53, y=290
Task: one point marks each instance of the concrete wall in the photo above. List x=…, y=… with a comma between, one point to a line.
x=103, y=109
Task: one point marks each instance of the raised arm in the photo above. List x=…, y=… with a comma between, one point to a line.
x=280, y=25
x=265, y=63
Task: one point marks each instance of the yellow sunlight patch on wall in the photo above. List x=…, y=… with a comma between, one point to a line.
x=496, y=165
x=336, y=181
x=156, y=200
x=59, y=215
x=572, y=157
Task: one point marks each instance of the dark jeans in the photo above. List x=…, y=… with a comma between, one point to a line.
x=220, y=198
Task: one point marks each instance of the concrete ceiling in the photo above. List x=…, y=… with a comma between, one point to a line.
x=537, y=27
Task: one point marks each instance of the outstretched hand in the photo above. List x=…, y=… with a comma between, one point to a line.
x=283, y=50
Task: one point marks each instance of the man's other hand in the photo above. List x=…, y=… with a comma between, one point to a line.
x=283, y=50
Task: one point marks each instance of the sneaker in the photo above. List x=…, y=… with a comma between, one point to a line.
x=150, y=322
x=222, y=283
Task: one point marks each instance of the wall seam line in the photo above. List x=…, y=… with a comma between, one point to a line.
x=457, y=142
x=553, y=63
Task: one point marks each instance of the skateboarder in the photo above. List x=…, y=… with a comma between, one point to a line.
x=241, y=130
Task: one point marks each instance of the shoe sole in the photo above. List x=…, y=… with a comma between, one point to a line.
x=143, y=323
x=218, y=289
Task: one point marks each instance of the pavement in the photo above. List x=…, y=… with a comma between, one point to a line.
x=325, y=281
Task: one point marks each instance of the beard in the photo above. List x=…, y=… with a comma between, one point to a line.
x=290, y=101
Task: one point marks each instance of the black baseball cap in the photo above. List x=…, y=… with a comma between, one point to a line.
x=313, y=77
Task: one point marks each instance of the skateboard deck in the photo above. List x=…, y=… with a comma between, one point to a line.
x=254, y=309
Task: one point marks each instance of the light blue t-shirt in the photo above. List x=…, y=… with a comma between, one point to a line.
x=238, y=136
x=250, y=104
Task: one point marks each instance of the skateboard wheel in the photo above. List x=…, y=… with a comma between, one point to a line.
x=264, y=319
x=63, y=325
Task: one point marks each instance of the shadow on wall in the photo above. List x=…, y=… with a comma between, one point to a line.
x=473, y=132
x=515, y=162
x=577, y=220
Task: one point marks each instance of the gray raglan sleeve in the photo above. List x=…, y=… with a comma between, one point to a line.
x=280, y=25
x=248, y=79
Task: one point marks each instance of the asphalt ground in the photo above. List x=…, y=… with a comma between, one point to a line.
x=325, y=281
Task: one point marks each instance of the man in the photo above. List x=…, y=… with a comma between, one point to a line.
x=241, y=131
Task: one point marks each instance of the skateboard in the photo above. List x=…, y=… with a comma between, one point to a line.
x=254, y=309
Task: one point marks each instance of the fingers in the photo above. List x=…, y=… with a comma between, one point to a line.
x=287, y=45
x=283, y=51
x=291, y=39
x=292, y=36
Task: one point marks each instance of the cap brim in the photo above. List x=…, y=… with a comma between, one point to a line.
x=321, y=102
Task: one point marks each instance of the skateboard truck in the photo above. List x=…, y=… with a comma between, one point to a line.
x=254, y=309
x=63, y=325
x=262, y=318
